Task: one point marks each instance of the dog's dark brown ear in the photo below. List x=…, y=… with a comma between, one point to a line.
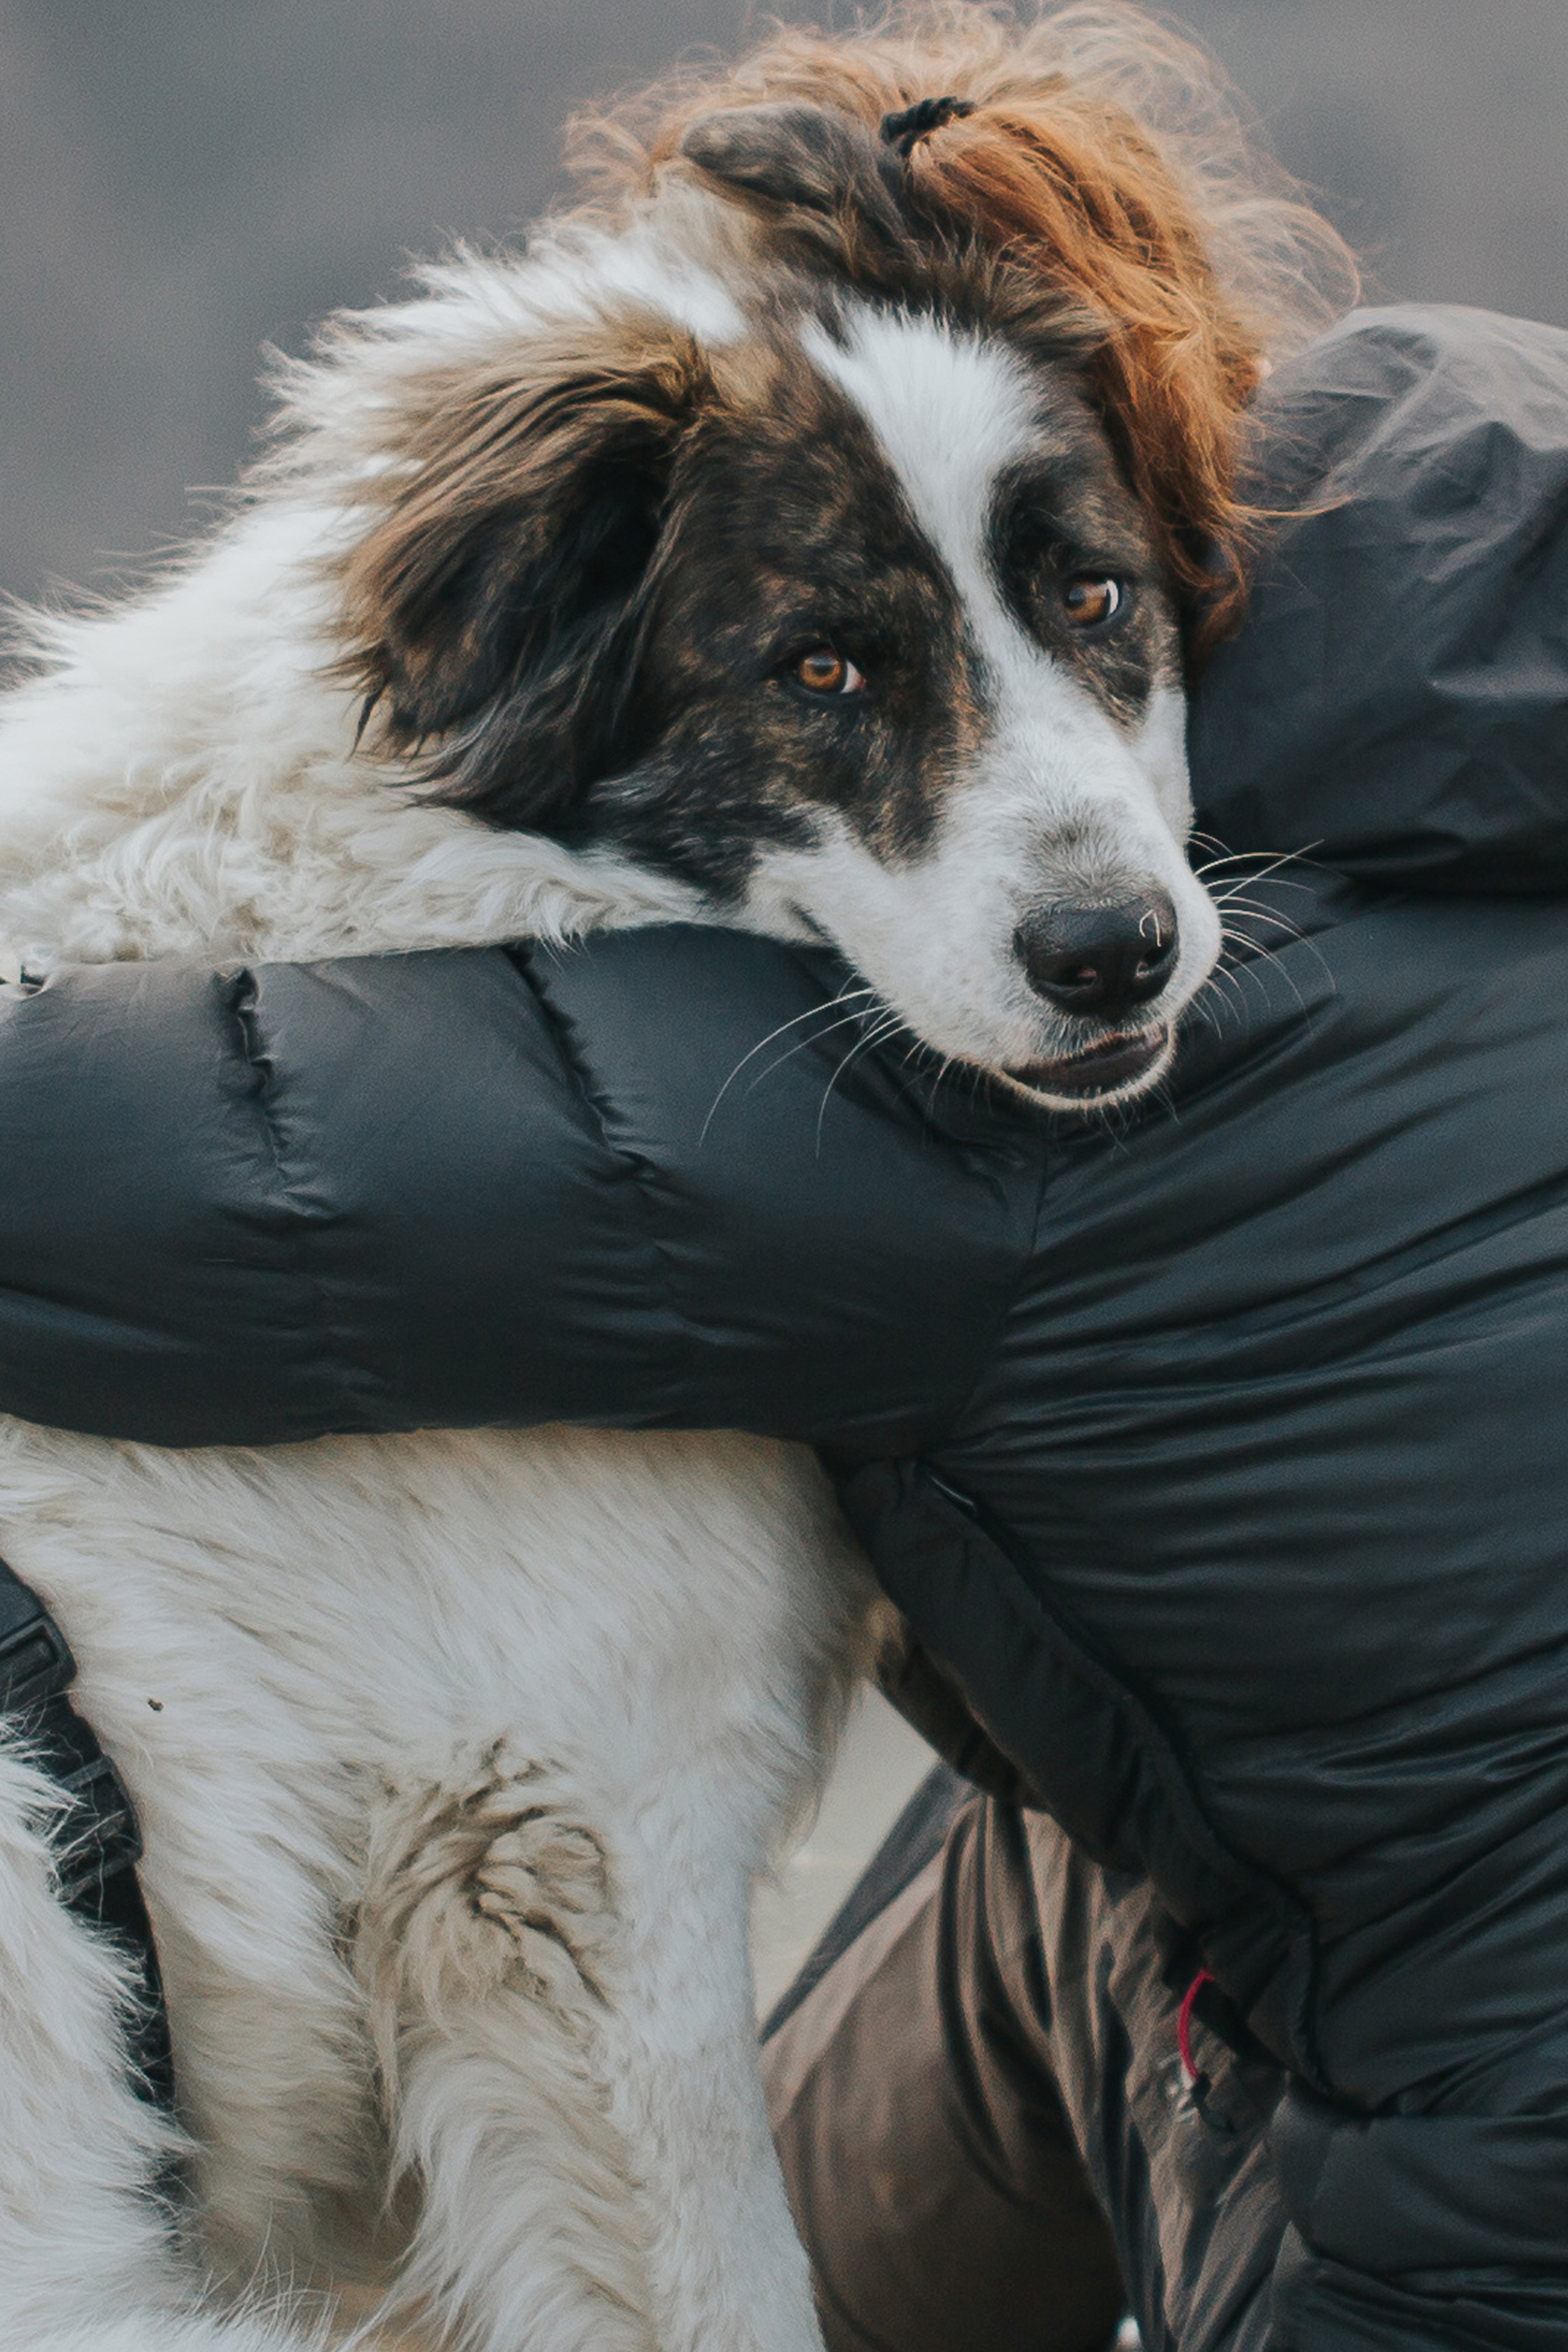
x=492, y=608
x=823, y=175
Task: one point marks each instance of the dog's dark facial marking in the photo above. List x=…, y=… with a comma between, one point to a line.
x=790, y=540
x=808, y=653
x=1075, y=567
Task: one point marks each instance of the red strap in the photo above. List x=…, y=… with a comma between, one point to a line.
x=1184, y=2026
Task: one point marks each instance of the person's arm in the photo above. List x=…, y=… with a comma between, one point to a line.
x=481, y=1187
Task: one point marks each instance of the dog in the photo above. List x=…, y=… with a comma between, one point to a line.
x=807, y=534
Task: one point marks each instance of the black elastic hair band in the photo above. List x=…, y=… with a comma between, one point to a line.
x=904, y=132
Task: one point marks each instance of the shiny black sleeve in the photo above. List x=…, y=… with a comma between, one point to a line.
x=480, y=1187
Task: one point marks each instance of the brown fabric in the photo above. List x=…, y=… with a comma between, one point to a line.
x=985, y=2130
x=930, y=2163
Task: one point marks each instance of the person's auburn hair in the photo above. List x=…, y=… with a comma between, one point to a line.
x=1105, y=157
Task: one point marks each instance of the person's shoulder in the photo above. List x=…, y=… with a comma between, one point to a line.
x=1393, y=705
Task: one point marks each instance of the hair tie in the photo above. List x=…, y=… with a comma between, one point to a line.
x=904, y=132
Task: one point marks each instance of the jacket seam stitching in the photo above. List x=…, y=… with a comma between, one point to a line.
x=333, y=1357
x=521, y=954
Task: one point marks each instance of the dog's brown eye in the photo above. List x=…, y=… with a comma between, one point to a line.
x=1089, y=599
x=823, y=671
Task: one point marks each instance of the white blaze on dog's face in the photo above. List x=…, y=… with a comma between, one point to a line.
x=849, y=624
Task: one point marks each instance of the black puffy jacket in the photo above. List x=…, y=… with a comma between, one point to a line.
x=1217, y=1452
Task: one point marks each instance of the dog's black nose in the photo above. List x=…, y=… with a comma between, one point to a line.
x=1102, y=960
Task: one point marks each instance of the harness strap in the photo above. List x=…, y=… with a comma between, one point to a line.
x=97, y=1842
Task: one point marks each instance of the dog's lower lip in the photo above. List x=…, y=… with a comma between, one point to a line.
x=1098, y=1070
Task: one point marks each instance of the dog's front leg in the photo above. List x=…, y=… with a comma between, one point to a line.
x=487, y=1941
x=727, y=2272
x=562, y=1998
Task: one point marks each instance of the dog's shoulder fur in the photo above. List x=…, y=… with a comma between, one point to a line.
x=197, y=744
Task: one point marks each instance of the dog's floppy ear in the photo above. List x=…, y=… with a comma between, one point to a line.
x=823, y=176
x=492, y=608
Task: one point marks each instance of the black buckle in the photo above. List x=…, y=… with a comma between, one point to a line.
x=35, y=1663
x=99, y=1836
x=97, y=1843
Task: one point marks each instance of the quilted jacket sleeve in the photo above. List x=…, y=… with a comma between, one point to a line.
x=235, y=1213
x=478, y=1187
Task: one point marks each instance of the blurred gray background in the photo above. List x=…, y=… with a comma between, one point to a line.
x=182, y=181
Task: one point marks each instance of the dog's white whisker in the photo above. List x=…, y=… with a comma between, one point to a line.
x=812, y=1037
x=1233, y=903
x=1259, y=951
x=1224, y=976
x=811, y=1013
x=889, y=1026
x=1247, y=965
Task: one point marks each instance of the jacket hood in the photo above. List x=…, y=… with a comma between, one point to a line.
x=1397, y=703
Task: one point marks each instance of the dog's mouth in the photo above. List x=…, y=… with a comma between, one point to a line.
x=1111, y=1066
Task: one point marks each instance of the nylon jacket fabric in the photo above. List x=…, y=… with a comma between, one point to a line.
x=1215, y=1455
x=450, y=1189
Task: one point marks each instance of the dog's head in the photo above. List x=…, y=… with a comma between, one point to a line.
x=849, y=592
